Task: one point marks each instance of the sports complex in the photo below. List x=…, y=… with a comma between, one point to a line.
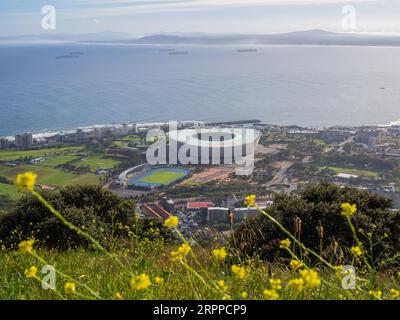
x=159, y=177
x=222, y=148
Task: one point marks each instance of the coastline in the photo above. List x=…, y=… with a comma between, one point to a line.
x=90, y=128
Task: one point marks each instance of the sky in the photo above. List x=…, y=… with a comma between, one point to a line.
x=143, y=17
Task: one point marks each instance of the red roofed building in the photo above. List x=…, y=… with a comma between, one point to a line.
x=156, y=212
x=199, y=205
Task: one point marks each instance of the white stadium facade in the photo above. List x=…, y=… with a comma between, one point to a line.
x=213, y=146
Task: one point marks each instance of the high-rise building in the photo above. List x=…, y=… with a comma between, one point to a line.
x=125, y=129
x=23, y=140
x=60, y=137
x=4, y=144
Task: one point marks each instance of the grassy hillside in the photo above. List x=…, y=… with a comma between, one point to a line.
x=96, y=256
x=152, y=258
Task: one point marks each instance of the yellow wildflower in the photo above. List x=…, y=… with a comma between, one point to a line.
x=26, y=246
x=119, y=296
x=176, y=256
x=296, y=264
x=226, y=297
x=394, y=294
x=376, y=294
x=310, y=278
x=250, y=200
x=296, y=284
x=357, y=251
x=31, y=272
x=159, y=280
x=270, y=294
x=179, y=254
x=70, y=288
x=184, y=249
x=285, y=244
x=348, y=209
x=26, y=181
x=221, y=284
x=140, y=282
x=220, y=254
x=244, y=295
x=339, y=270
x=276, y=284
x=240, y=272
x=171, y=222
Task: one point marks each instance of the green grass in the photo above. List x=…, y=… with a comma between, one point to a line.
x=58, y=160
x=14, y=155
x=97, y=162
x=104, y=273
x=101, y=274
x=162, y=177
x=10, y=192
x=125, y=140
x=132, y=137
x=49, y=176
x=320, y=143
x=357, y=172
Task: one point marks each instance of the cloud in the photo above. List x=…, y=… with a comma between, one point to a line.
x=154, y=15
x=127, y=7
x=108, y=8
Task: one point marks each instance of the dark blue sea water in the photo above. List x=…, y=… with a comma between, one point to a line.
x=313, y=86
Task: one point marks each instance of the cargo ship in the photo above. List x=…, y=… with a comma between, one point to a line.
x=246, y=50
x=178, y=53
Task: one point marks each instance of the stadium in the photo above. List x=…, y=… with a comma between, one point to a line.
x=216, y=146
x=221, y=147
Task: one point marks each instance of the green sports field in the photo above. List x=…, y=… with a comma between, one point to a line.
x=58, y=160
x=14, y=155
x=96, y=162
x=10, y=192
x=162, y=177
x=125, y=140
x=49, y=176
x=357, y=172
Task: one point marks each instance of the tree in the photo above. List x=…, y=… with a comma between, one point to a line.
x=102, y=214
x=317, y=206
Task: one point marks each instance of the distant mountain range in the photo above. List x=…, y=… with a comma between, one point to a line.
x=310, y=37
x=51, y=38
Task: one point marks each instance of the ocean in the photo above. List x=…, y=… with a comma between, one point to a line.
x=304, y=85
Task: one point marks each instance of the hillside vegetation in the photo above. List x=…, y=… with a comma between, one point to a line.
x=297, y=249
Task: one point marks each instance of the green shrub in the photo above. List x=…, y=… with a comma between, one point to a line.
x=102, y=214
x=319, y=205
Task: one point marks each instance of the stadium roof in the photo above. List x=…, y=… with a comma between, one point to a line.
x=210, y=138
